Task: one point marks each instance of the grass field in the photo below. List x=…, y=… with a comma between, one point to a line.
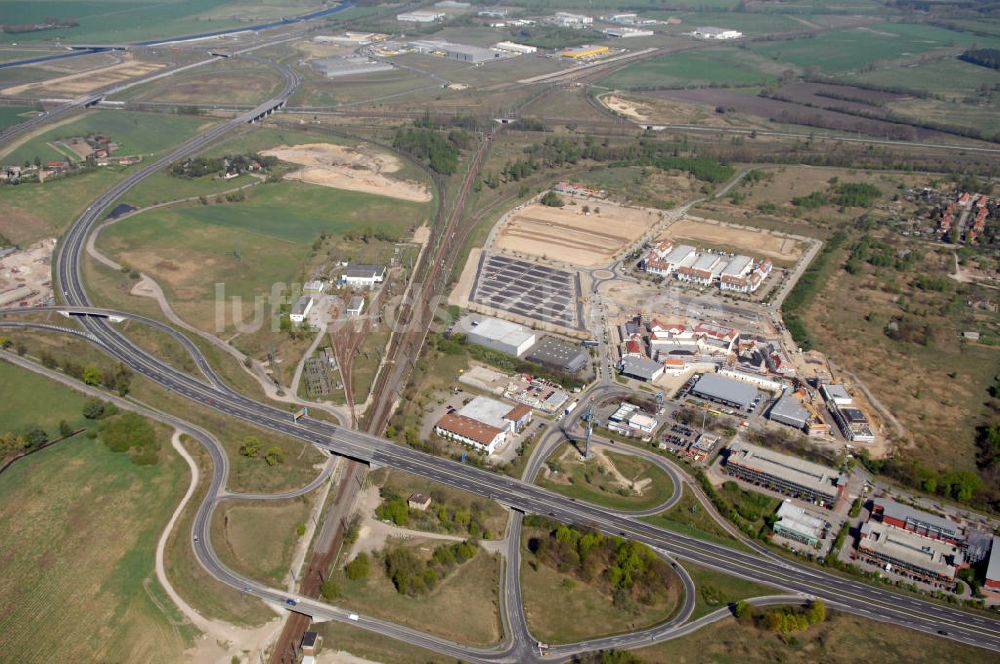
x=723, y=66
x=849, y=50
x=30, y=212
x=842, y=639
x=947, y=76
x=372, y=645
x=111, y=21
x=257, y=538
x=163, y=187
x=143, y=134
x=463, y=607
x=78, y=528
x=247, y=246
x=30, y=399
x=699, y=522
x=583, y=611
x=12, y=115
x=716, y=590
x=588, y=482
x=226, y=82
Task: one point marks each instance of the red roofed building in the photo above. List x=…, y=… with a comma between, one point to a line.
x=469, y=431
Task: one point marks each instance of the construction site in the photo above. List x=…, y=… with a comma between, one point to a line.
x=26, y=275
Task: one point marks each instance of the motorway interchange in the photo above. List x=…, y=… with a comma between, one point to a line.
x=801, y=582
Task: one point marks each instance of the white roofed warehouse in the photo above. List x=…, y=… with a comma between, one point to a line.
x=501, y=335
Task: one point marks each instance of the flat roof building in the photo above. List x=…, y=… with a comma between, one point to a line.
x=514, y=47
x=462, y=52
x=584, y=52
x=923, y=523
x=364, y=276
x=356, y=306
x=348, y=65
x=797, y=524
x=716, y=33
x=420, y=17
x=909, y=553
x=836, y=394
x=642, y=368
x=789, y=410
x=559, y=355
x=992, y=583
x=725, y=390
x=501, y=335
x=787, y=474
x=853, y=424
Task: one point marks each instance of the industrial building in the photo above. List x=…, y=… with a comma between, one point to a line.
x=625, y=33
x=462, y=52
x=348, y=65
x=641, y=368
x=558, y=355
x=629, y=419
x=906, y=552
x=789, y=410
x=364, y=276
x=909, y=518
x=585, y=52
x=355, y=306
x=484, y=423
x=797, y=524
x=754, y=379
x=726, y=391
x=568, y=20
x=514, y=47
x=501, y=335
x=721, y=34
x=420, y=17
x=787, y=474
x=301, y=309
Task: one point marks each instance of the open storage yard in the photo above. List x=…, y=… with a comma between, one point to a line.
x=355, y=169
x=569, y=235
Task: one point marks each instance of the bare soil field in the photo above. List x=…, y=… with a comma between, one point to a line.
x=787, y=112
x=633, y=109
x=568, y=235
x=756, y=242
x=75, y=84
x=355, y=169
x=837, y=96
x=26, y=276
x=658, y=109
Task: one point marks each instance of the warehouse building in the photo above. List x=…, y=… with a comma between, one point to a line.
x=585, y=52
x=907, y=553
x=514, y=47
x=301, y=309
x=787, y=474
x=641, y=368
x=789, y=410
x=348, y=65
x=364, y=276
x=501, y=335
x=420, y=17
x=355, y=306
x=726, y=391
x=721, y=34
x=910, y=518
x=461, y=52
x=558, y=355
x=625, y=33
x=797, y=524
x=568, y=20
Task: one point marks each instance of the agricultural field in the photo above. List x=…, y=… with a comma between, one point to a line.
x=257, y=538
x=571, y=235
x=106, y=22
x=841, y=51
x=717, y=66
x=94, y=584
x=841, y=639
x=618, y=481
x=947, y=76
x=144, y=134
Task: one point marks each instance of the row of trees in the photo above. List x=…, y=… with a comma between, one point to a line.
x=627, y=570
x=117, y=378
x=196, y=167
x=784, y=620
x=984, y=57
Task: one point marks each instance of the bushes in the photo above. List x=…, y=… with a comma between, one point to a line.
x=359, y=568
x=394, y=509
x=440, y=153
x=802, y=294
x=129, y=432
x=414, y=577
x=552, y=199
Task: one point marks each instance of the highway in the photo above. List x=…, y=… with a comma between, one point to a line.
x=873, y=602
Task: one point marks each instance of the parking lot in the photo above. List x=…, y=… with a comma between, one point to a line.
x=543, y=293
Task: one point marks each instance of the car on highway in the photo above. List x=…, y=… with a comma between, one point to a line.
x=291, y=602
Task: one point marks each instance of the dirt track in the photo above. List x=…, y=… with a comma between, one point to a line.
x=349, y=168
x=75, y=84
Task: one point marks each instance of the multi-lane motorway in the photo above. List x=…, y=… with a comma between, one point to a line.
x=876, y=603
